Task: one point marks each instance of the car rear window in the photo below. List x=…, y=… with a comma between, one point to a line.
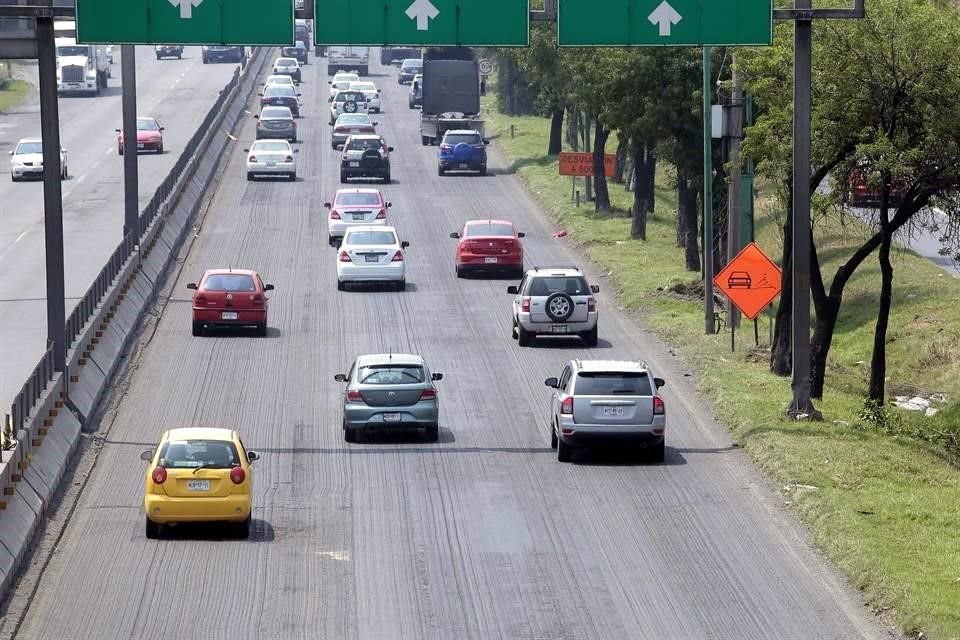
x=370, y=237
x=276, y=112
x=191, y=454
x=612, y=383
x=281, y=90
x=363, y=86
x=147, y=124
x=391, y=374
x=344, y=96
x=349, y=199
x=286, y=62
x=364, y=143
x=353, y=118
x=408, y=64
x=271, y=145
x=457, y=138
x=229, y=282
x=571, y=285
x=492, y=229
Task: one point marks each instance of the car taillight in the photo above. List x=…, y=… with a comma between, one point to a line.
x=258, y=299
x=288, y=159
x=201, y=299
x=446, y=147
x=339, y=130
x=354, y=396
x=344, y=257
x=659, y=408
x=566, y=407
x=334, y=214
x=382, y=214
x=252, y=159
x=238, y=475
x=428, y=394
x=159, y=475
x=591, y=304
x=367, y=130
x=525, y=304
x=397, y=257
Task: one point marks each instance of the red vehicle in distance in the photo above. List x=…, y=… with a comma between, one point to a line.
x=234, y=298
x=489, y=245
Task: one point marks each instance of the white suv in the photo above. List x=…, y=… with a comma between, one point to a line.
x=606, y=402
x=555, y=301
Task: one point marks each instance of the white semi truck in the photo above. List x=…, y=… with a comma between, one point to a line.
x=348, y=59
x=81, y=68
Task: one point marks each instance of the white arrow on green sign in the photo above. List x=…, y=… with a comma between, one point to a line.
x=501, y=23
x=619, y=23
x=236, y=22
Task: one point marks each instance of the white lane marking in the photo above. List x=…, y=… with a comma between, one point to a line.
x=20, y=237
x=109, y=151
x=81, y=178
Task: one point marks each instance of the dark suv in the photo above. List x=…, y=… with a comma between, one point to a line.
x=462, y=150
x=365, y=155
x=222, y=54
x=297, y=51
x=169, y=51
x=389, y=55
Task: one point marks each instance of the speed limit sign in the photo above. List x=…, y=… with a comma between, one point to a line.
x=486, y=66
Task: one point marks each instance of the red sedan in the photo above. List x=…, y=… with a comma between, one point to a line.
x=489, y=245
x=230, y=298
x=149, y=136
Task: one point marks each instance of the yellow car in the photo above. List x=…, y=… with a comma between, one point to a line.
x=198, y=475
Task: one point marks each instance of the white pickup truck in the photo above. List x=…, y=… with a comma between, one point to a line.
x=348, y=59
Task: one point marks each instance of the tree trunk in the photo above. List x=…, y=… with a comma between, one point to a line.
x=638, y=225
x=878, y=362
x=651, y=174
x=573, y=129
x=623, y=147
x=555, y=146
x=602, y=194
x=587, y=182
x=687, y=199
x=781, y=349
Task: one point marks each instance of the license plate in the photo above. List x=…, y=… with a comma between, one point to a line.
x=371, y=258
x=228, y=315
x=490, y=260
x=358, y=216
x=198, y=485
x=558, y=328
x=612, y=411
x=463, y=165
x=140, y=145
x=354, y=164
x=271, y=164
x=391, y=417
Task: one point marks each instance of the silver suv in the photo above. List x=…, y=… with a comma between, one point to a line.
x=555, y=301
x=606, y=402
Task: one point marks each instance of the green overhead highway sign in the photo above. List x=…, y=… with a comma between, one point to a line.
x=621, y=23
x=236, y=22
x=501, y=23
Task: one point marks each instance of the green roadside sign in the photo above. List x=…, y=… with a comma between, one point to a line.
x=229, y=22
x=625, y=23
x=491, y=23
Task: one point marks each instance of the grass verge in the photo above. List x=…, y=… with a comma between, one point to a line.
x=12, y=93
x=884, y=507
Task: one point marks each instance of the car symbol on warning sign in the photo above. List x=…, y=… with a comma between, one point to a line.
x=751, y=280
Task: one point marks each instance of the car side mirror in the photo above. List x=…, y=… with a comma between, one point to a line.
x=117, y=130
x=404, y=244
x=296, y=150
x=330, y=99
x=389, y=204
x=329, y=81
x=252, y=455
x=340, y=377
x=521, y=234
x=327, y=205
x=436, y=376
x=147, y=455
x=162, y=128
x=9, y=153
x=388, y=148
x=552, y=383
x=659, y=382
x=256, y=116
x=376, y=124
x=192, y=285
x=261, y=93
x=299, y=94
x=486, y=141
x=595, y=288
x=454, y=235
x=513, y=289
x=246, y=150
x=268, y=287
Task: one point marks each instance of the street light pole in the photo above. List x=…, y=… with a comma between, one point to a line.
x=707, y=197
x=131, y=197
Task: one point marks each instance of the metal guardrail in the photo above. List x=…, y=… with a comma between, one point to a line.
x=43, y=373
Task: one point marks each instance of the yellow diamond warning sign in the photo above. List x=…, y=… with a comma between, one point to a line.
x=751, y=280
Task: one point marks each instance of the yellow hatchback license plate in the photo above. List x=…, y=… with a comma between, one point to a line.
x=198, y=485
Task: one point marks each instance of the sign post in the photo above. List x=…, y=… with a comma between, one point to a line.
x=492, y=23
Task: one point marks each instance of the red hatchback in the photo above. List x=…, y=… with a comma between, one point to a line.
x=489, y=245
x=149, y=136
x=230, y=298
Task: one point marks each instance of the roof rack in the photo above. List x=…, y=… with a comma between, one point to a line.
x=569, y=266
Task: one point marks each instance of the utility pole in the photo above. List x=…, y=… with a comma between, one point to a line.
x=131, y=196
x=52, y=192
x=707, y=197
x=734, y=195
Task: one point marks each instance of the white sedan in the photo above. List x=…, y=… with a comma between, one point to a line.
x=370, y=92
x=342, y=80
x=26, y=160
x=271, y=158
x=371, y=254
x=280, y=79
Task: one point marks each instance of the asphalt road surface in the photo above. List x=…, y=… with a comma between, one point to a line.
x=178, y=93
x=481, y=535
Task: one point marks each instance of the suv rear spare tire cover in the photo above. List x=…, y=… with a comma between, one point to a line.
x=350, y=106
x=370, y=159
x=462, y=151
x=559, y=306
